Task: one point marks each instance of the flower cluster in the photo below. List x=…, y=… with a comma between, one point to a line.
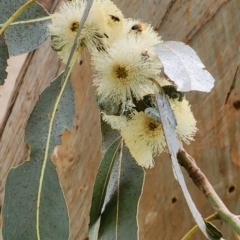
x=126, y=73
x=144, y=135
x=103, y=26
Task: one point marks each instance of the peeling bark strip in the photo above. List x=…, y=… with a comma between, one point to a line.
x=15, y=93
x=208, y=15
x=167, y=12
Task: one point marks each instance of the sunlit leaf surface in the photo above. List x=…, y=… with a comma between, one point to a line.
x=182, y=65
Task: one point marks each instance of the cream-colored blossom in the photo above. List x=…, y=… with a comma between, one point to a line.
x=116, y=122
x=124, y=70
x=143, y=31
x=144, y=136
x=186, y=123
x=65, y=24
x=115, y=20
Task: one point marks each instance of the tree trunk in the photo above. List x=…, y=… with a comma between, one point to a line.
x=211, y=28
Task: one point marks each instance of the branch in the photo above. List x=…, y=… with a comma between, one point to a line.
x=201, y=181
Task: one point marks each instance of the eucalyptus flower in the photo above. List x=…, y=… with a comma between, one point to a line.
x=143, y=31
x=115, y=20
x=65, y=24
x=186, y=123
x=144, y=135
x=124, y=70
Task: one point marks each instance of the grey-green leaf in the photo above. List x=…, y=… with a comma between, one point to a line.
x=110, y=146
x=102, y=180
x=24, y=37
x=109, y=135
x=23, y=182
x=3, y=59
x=119, y=217
x=19, y=209
x=169, y=124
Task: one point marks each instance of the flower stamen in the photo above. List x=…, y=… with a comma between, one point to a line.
x=121, y=72
x=115, y=18
x=74, y=26
x=152, y=125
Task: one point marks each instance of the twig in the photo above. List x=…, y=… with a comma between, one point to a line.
x=201, y=181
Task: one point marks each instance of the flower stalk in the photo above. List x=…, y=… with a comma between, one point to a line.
x=201, y=181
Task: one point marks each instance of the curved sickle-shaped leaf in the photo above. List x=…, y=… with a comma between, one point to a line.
x=23, y=182
x=110, y=146
x=119, y=217
x=3, y=59
x=182, y=65
x=169, y=124
x=102, y=180
x=24, y=37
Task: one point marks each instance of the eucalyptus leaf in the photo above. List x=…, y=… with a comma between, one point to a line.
x=26, y=37
x=22, y=219
x=119, y=216
x=4, y=55
x=183, y=66
x=110, y=146
x=109, y=135
x=213, y=230
x=169, y=124
x=102, y=180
